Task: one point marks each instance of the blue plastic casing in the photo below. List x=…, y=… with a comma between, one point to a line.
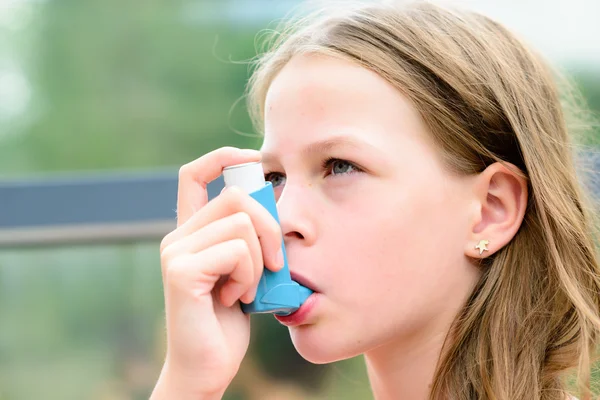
x=277, y=293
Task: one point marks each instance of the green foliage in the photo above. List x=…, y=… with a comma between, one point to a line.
x=119, y=85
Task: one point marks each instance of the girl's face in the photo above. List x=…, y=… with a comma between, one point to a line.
x=369, y=215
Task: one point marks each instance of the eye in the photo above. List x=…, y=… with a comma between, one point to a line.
x=332, y=166
x=337, y=166
x=275, y=178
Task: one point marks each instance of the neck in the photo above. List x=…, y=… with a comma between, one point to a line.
x=404, y=369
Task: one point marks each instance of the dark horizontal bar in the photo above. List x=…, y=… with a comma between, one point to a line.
x=88, y=207
x=116, y=197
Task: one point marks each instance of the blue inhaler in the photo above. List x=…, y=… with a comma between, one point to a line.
x=277, y=292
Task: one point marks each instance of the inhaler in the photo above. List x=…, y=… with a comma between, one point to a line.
x=277, y=293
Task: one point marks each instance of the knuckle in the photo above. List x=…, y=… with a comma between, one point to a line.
x=242, y=221
x=166, y=241
x=167, y=247
x=234, y=195
x=174, y=270
x=165, y=256
x=240, y=247
x=184, y=170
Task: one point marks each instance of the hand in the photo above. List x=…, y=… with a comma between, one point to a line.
x=213, y=259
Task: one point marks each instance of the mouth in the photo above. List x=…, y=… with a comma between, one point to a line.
x=302, y=280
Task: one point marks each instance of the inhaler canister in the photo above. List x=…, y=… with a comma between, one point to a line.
x=277, y=292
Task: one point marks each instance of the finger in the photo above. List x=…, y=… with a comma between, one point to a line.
x=195, y=176
x=235, y=226
x=232, y=201
x=198, y=273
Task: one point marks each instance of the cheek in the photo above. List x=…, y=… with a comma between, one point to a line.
x=395, y=268
x=402, y=256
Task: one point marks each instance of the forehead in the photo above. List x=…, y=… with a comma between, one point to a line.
x=315, y=96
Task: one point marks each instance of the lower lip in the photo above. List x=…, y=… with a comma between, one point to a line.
x=301, y=314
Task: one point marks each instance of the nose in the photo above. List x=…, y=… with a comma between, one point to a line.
x=296, y=214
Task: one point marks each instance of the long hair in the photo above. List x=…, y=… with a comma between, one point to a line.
x=533, y=319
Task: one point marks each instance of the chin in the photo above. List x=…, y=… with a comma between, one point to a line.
x=319, y=346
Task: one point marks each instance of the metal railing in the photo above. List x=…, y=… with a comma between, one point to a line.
x=106, y=207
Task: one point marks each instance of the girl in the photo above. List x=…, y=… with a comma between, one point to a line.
x=426, y=192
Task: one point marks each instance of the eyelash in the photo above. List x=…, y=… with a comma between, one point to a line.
x=325, y=165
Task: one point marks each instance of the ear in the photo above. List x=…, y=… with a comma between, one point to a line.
x=500, y=201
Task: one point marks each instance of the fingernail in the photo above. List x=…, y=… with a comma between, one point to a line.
x=279, y=258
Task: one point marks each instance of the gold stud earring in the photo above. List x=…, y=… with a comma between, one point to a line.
x=481, y=246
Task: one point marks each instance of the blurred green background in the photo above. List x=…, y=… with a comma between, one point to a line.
x=113, y=85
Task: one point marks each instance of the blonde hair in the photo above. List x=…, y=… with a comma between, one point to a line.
x=486, y=97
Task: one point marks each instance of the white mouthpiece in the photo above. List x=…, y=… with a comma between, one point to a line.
x=249, y=176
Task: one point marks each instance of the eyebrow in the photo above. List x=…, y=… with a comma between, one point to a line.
x=324, y=146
